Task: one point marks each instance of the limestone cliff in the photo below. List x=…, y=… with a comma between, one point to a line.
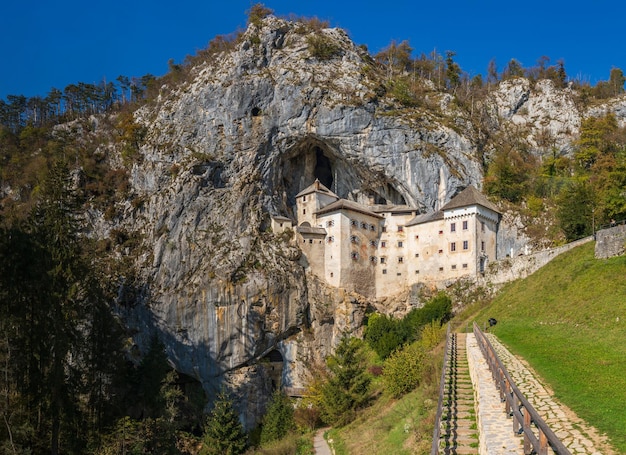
x=234, y=145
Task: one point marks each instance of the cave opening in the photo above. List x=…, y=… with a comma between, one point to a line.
x=306, y=161
x=274, y=367
x=323, y=169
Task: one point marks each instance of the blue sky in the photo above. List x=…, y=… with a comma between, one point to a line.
x=45, y=44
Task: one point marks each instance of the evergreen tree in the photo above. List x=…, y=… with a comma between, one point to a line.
x=278, y=420
x=347, y=388
x=223, y=432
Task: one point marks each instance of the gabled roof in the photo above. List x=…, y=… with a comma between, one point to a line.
x=387, y=208
x=311, y=230
x=426, y=218
x=344, y=204
x=316, y=187
x=470, y=196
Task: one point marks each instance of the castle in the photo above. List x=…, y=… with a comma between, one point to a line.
x=379, y=250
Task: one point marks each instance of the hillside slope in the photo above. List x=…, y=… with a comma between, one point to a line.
x=567, y=321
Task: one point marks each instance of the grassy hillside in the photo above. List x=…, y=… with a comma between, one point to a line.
x=568, y=320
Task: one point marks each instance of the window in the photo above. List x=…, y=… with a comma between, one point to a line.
x=453, y=246
x=465, y=225
x=417, y=255
x=465, y=244
x=400, y=259
x=383, y=244
x=354, y=255
x=400, y=228
x=304, y=211
x=417, y=272
x=382, y=260
x=354, y=223
x=482, y=246
x=372, y=228
x=452, y=227
x=400, y=244
x=453, y=266
x=354, y=239
x=417, y=237
x=373, y=243
x=384, y=271
x=330, y=223
x=384, y=229
x=363, y=225
x=464, y=266
x=331, y=274
x=281, y=224
x=441, y=269
x=440, y=232
x=482, y=226
x=440, y=251
x=310, y=240
x=303, y=198
x=330, y=239
x=373, y=259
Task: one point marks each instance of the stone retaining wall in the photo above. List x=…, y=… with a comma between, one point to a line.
x=510, y=269
x=611, y=242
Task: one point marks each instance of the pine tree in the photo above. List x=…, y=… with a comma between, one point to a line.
x=347, y=388
x=278, y=420
x=223, y=432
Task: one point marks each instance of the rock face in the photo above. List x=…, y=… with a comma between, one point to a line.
x=233, y=146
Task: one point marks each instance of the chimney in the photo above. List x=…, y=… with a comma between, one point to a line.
x=317, y=184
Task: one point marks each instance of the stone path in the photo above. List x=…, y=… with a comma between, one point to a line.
x=575, y=434
x=495, y=428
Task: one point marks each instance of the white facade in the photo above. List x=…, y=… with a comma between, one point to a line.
x=379, y=251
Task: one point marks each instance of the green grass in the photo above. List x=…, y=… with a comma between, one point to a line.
x=402, y=426
x=568, y=321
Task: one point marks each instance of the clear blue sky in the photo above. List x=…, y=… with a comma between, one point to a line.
x=45, y=44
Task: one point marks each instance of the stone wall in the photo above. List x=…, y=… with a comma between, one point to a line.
x=510, y=269
x=611, y=242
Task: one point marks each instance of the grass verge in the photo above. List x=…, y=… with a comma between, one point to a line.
x=568, y=321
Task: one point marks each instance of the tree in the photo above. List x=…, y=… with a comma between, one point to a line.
x=347, y=388
x=382, y=334
x=453, y=70
x=257, y=13
x=223, y=432
x=576, y=207
x=616, y=81
x=403, y=370
x=279, y=419
x=492, y=72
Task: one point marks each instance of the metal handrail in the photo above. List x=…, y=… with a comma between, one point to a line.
x=516, y=402
x=442, y=384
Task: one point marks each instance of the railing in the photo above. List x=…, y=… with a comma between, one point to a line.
x=517, y=406
x=442, y=384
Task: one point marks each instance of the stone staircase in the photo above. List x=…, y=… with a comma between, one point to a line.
x=459, y=428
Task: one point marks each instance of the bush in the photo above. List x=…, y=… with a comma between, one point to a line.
x=322, y=47
x=403, y=370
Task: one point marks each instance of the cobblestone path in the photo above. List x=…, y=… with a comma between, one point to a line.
x=575, y=434
x=496, y=434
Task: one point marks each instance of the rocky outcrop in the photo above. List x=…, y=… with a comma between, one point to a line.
x=223, y=152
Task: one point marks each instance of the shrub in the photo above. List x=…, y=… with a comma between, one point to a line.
x=403, y=369
x=322, y=47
